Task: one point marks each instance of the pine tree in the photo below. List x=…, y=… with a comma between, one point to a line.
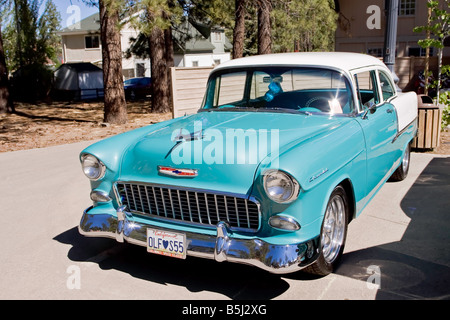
x=264, y=26
x=303, y=25
x=239, y=29
x=156, y=26
x=115, y=107
x=6, y=105
x=29, y=43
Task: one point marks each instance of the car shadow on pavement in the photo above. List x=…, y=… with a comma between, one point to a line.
x=417, y=266
x=236, y=281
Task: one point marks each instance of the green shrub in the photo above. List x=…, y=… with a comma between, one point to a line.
x=444, y=98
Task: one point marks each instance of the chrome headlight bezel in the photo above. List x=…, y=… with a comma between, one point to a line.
x=284, y=223
x=89, y=161
x=290, y=186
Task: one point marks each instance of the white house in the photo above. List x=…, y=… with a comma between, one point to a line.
x=195, y=45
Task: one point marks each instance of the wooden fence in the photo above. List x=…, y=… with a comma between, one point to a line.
x=407, y=67
x=188, y=89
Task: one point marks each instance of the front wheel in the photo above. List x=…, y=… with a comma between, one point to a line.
x=333, y=234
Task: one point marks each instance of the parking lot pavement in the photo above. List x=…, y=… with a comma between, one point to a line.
x=397, y=249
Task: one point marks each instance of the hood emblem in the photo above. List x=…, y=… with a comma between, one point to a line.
x=176, y=172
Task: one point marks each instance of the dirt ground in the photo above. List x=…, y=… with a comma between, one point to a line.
x=44, y=125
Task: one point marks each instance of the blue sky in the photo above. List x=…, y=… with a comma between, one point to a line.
x=71, y=10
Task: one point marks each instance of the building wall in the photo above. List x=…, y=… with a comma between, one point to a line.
x=356, y=31
x=201, y=59
x=74, y=50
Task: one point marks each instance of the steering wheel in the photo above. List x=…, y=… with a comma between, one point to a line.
x=312, y=100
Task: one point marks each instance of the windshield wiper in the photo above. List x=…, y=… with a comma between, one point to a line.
x=229, y=109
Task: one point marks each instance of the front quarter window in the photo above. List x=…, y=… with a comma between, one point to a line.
x=366, y=85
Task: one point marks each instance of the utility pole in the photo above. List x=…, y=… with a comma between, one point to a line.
x=390, y=39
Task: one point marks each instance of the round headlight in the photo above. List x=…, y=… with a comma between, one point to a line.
x=93, y=168
x=280, y=186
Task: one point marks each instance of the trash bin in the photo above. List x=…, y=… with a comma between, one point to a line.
x=429, y=124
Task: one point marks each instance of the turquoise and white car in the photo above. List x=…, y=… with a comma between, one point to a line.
x=286, y=150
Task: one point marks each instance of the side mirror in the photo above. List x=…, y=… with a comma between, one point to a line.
x=371, y=107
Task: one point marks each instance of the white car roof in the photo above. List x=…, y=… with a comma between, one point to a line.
x=345, y=61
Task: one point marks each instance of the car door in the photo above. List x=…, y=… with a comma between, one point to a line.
x=378, y=120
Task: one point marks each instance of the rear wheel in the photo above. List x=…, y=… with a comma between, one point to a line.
x=402, y=172
x=333, y=234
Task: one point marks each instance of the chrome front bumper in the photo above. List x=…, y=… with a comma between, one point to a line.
x=222, y=247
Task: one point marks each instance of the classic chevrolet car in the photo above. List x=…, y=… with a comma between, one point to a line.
x=285, y=151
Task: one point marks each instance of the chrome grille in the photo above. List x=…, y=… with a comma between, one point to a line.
x=188, y=205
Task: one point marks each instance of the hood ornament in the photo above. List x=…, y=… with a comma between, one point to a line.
x=197, y=135
x=177, y=172
x=180, y=137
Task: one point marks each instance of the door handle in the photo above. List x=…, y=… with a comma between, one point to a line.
x=389, y=110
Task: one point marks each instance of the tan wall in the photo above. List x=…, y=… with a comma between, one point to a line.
x=188, y=89
x=75, y=50
x=353, y=34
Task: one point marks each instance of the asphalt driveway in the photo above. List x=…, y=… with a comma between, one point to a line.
x=397, y=249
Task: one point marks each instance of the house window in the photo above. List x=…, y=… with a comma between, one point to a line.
x=407, y=8
x=140, y=69
x=92, y=42
x=195, y=63
x=418, y=52
x=217, y=36
x=376, y=52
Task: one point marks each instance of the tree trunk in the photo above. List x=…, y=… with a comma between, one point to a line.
x=440, y=50
x=427, y=53
x=6, y=105
x=115, y=107
x=169, y=61
x=239, y=29
x=160, y=71
x=264, y=28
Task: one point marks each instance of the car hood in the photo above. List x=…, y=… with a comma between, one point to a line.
x=225, y=148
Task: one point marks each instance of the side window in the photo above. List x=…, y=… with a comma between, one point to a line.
x=367, y=89
x=386, y=86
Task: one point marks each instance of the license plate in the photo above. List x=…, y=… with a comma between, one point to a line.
x=166, y=243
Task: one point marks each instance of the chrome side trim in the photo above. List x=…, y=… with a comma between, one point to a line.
x=404, y=130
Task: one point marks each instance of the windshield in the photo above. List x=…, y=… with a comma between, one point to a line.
x=279, y=88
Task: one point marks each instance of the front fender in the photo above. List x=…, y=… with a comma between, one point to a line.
x=111, y=151
x=319, y=165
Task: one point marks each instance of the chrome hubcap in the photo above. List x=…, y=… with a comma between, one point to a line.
x=333, y=230
x=405, y=160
